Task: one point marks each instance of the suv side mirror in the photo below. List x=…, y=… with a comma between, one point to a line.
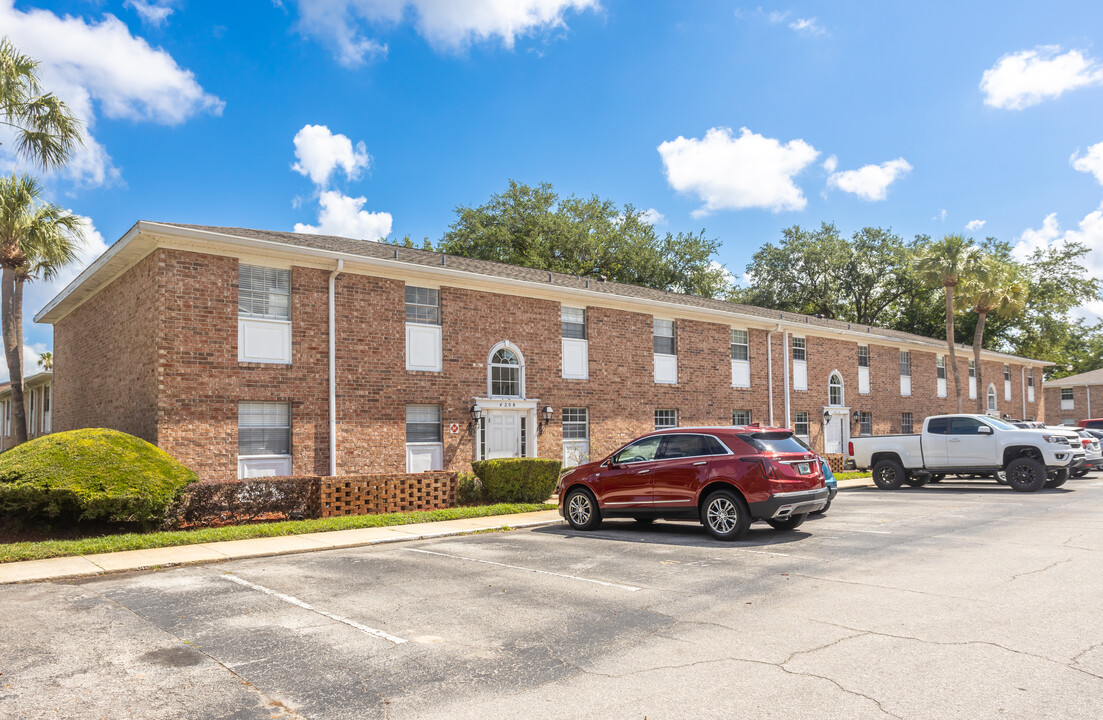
x=984, y=430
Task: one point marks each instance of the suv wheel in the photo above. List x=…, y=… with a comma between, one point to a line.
x=888, y=474
x=1026, y=474
x=725, y=515
x=581, y=511
x=1058, y=479
x=790, y=523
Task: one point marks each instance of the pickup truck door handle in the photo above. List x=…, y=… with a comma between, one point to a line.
x=954, y=439
x=702, y=462
x=642, y=472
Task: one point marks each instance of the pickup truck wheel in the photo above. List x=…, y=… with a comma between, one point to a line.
x=790, y=523
x=1026, y=474
x=1079, y=473
x=888, y=474
x=1058, y=479
x=581, y=511
x=725, y=515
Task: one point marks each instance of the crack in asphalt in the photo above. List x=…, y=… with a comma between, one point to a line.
x=889, y=587
x=1041, y=570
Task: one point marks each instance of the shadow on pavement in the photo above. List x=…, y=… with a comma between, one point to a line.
x=673, y=532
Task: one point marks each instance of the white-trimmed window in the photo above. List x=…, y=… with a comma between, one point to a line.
x=865, y=423
x=424, y=438
x=863, y=369
x=576, y=347
x=1030, y=384
x=507, y=373
x=972, y=379
x=7, y=418
x=47, y=414
x=576, y=436
x=991, y=398
x=905, y=373
x=835, y=389
x=906, y=423
x=1067, y=402
x=666, y=419
x=800, y=364
x=32, y=416
x=263, y=439
x=800, y=424
x=263, y=314
x=666, y=357
x=940, y=374
x=1007, y=383
x=741, y=358
x=423, y=331
x=741, y=417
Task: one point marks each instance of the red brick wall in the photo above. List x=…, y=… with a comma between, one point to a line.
x=1080, y=411
x=105, y=358
x=201, y=381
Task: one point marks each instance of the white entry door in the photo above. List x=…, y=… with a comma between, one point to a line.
x=503, y=435
x=833, y=435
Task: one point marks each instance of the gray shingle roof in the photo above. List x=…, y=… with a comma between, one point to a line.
x=1092, y=377
x=366, y=248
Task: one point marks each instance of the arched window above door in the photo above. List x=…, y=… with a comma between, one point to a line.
x=506, y=371
x=835, y=389
x=991, y=398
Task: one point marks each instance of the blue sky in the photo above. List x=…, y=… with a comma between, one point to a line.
x=924, y=117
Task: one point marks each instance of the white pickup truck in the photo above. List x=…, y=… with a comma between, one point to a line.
x=1030, y=459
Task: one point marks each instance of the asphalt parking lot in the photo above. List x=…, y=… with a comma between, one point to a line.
x=963, y=600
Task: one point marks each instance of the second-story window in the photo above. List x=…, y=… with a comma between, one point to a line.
x=576, y=348
x=505, y=374
x=800, y=363
x=940, y=366
x=423, y=329
x=741, y=357
x=863, y=356
x=905, y=373
x=666, y=360
x=264, y=314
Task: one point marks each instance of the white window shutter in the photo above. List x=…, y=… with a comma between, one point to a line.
x=264, y=341
x=741, y=373
x=666, y=369
x=863, y=381
x=423, y=347
x=576, y=362
x=800, y=375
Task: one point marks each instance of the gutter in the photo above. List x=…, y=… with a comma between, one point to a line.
x=770, y=372
x=787, y=365
x=333, y=370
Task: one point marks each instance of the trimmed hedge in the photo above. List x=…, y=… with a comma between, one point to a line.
x=91, y=474
x=527, y=480
x=469, y=489
x=243, y=501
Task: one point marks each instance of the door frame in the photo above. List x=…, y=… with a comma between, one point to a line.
x=837, y=413
x=527, y=407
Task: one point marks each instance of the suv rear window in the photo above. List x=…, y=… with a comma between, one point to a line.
x=1094, y=424
x=778, y=442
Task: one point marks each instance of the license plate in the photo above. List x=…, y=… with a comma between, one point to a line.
x=804, y=468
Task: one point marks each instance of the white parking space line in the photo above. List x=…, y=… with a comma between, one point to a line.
x=629, y=588
x=307, y=606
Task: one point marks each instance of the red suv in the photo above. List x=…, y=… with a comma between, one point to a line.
x=725, y=477
x=1091, y=424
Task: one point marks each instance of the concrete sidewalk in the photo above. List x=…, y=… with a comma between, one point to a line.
x=90, y=565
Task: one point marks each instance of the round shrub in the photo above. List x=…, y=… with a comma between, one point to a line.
x=517, y=480
x=469, y=489
x=92, y=474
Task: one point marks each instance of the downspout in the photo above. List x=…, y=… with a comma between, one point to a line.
x=333, y=371
x=770, y=372
x=787, y=364
x=1088, y=389
x=1022, y=371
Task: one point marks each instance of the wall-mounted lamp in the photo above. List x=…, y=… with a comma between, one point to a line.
x=546, y=416
x=857, y=416
x=476, y=416
x=826, y=416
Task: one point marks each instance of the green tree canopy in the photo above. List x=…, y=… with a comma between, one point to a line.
x=593, y=237
x=47, y=132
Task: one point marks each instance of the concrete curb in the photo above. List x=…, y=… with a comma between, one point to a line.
x=85, y=566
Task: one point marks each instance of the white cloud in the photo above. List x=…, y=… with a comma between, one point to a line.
x=974, y=225
x=344, y=216
x=941, y=216
x=726, y=172
x=152, y=12
x=870, y=182
x=651, y=216
x=1090, y=163
x=320, y=152
x=30, y=361
x=447, y=25
x=100, y=68
x=1089, y=232
x=1028, y=77
x=807, y=25
x=726, y=275
x=830, y=164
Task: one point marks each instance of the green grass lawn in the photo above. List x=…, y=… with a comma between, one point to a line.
x=852, y=475
x=12, y=552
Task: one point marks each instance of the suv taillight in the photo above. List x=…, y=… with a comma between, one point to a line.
x=850, y=449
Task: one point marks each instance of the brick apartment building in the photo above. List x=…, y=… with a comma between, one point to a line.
x=38, y=396
x=215, y=344
x=1069, y=400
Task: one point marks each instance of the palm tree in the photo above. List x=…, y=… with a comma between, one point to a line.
x=36, y=240
x=47, y=131
x=946, y=263
x=46, y=360
x=996, y=286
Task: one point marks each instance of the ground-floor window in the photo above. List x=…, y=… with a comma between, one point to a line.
x=741, y=417
x=800, y=424
x=906, y=423
x=576, y=436
x=424, y=438
x=263, y=439
x=666, y=419
x=865, y=423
